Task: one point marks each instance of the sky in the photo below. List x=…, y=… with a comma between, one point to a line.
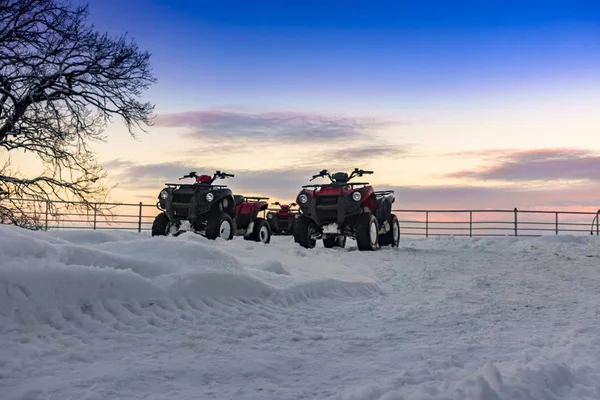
x=455, y=105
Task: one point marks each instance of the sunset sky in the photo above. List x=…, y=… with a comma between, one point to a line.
x=454, y=104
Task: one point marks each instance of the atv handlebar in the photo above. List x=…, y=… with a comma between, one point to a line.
x=356, y=172
x=279, y=204
x=218, y=174
x=223, y=175
x=323, y=172
x=190, y=175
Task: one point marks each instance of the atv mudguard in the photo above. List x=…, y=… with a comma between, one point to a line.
x=384, y=207
x=369, y=199
x=247, y=212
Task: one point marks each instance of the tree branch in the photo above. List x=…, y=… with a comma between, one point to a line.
x=61, y=82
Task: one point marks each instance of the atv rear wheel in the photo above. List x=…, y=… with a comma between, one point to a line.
x=261, y=231
x=367, y=232
x=303, y=230
x=392, y=237
x=160, y=225
x=219, y=225
x=334, y=241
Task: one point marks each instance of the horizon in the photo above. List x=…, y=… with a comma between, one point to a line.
x=462, y=106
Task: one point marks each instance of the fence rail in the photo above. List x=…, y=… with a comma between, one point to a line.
x=508, y=222
x=513, y=222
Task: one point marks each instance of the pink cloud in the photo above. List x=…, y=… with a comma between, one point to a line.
x=290, y=126
x=537, y=165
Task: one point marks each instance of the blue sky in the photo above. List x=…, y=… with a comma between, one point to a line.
x=470, y=76
x=395, y=53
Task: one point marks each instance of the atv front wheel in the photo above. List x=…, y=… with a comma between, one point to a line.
x=261, y=231
x=392, y=237
x=367, y=232
x=303, y=231
x=160, y=225
x=219, y=225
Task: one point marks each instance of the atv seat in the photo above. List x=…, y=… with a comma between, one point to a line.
x=238, y=199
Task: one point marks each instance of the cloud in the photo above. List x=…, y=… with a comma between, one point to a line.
x=537, y=165
x=486, y=197
x=152, y=177
x=284, y=184
x=304, y=138
x=272, y=126
x=366, y=152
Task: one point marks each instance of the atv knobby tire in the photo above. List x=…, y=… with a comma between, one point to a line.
x=261, y=232
x=303, y=230
x=367, y=232
x=220, y=225
x=160, y=225
x=392, y=237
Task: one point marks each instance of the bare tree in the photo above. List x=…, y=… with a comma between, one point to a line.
x=61, y=82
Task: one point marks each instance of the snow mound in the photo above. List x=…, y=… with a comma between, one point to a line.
x=109, y=315
x=41, y=271
x=542, y=380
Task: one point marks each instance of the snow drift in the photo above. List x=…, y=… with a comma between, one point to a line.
x=105, y=315
x=42, y=271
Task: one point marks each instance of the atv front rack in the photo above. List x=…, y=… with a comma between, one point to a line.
x=196, y=184
x=256, y=198
x=383, y=192
x=334, y=184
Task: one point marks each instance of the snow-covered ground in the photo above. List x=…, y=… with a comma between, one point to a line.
x=113, y=315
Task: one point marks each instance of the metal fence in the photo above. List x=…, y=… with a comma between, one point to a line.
x=510, y=222
x=497, y=222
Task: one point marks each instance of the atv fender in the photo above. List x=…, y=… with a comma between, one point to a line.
x=384, y=208
x=246, y=213
x=227, y=204
x=370, y=201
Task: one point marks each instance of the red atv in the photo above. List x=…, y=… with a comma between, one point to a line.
x=247, y=221
x=340, y=209
x=210, y=210
x=283, y=220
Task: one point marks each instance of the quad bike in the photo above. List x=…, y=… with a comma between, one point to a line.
x=282, y=221
x=210, y=210
x=340, y=209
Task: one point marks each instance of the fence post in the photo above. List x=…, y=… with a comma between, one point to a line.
x=95, y=214
x=426, y=224
x=47, y=211
x=556, y=221
x=140, y=218
x=470, y=223
x=516, y=231
x=597, y=226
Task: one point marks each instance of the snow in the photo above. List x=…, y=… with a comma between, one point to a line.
x=119, y=315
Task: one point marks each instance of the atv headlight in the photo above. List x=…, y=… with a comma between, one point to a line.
x=164, y=194
x=303, y=198
x=210, y=197
x=356, y=196
x=270, y=216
